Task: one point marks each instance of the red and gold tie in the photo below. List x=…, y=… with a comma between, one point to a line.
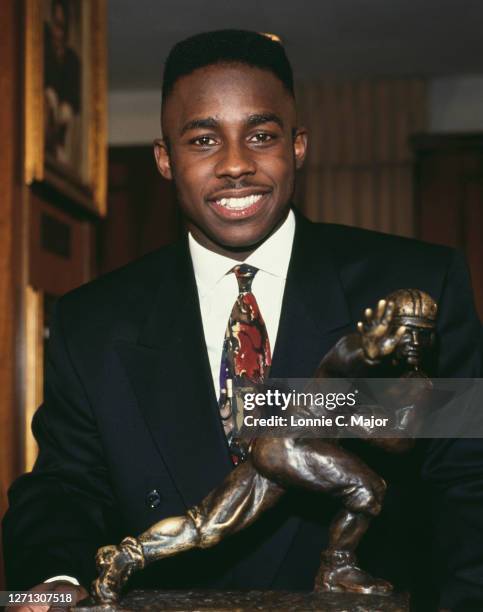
x=246, y=356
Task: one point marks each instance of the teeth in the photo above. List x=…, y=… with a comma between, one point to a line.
x=239, y=203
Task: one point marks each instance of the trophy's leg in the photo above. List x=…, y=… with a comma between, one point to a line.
x=115, y=564
x=325, y=467
x=243, y=496
x=338, y=571
x=235, y=504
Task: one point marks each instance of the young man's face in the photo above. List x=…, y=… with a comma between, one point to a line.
x=233, y=150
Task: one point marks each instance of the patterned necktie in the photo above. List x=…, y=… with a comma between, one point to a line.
x=246, y=356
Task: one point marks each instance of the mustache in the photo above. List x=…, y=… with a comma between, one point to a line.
x=237, y=185
x=243, y=184
x=228, y=184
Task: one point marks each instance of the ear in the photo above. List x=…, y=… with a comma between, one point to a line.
x=300, y=146
x=161, y=153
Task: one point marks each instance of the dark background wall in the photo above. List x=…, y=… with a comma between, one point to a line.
x=143, y=212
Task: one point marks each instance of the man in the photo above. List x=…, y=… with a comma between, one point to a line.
x=130, y=430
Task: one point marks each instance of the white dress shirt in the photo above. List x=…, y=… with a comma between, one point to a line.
x=218, y=290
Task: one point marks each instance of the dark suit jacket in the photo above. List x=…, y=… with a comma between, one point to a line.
x=130, y=409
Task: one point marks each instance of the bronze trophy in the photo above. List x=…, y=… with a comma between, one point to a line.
x=398, y=334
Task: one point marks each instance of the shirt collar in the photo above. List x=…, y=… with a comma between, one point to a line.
x=272, y=256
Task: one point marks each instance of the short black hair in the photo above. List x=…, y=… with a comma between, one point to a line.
x=226, y=47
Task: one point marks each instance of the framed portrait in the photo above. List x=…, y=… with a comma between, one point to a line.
x=65, y=98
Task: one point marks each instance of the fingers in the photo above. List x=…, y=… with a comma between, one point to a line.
x=381, y=308
x=401, y=330
x=388, y=311
x=392, y=341
x=384, y=313
x=368, y=323
x=396, y=336
x=377, y=324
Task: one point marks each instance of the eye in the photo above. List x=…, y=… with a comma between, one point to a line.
x=203, y=141
x=261, y=138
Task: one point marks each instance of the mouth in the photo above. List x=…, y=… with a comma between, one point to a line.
x=239, y=206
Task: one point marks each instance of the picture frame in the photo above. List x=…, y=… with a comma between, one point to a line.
x=65, y=123
x=34, y=371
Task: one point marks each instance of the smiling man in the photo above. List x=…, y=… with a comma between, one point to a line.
x=232, y=150
x=137, y=422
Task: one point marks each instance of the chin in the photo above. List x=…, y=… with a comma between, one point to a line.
x=413, y=359
x=242, y=240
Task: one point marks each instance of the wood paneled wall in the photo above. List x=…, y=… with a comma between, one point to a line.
x=29, y=272
x=359, y=165
x=449, y=197
x=142, y=212
x=10, y=251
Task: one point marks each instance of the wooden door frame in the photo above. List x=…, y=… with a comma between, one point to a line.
x=13, y=199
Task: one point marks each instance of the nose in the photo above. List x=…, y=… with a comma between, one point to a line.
x=415, y=338
x=235, y=161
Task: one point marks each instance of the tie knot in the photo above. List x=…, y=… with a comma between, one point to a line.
x=244, y=275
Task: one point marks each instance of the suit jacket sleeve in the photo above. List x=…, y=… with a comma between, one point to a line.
x=454, y=468
x=57, y=514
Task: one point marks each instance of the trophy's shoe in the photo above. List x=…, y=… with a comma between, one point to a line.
x=339, y=573
x=115, y=565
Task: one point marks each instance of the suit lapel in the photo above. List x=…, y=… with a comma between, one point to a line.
x=314, y=309
x=169, y=372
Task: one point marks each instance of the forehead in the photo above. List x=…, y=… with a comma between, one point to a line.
x=227, y=92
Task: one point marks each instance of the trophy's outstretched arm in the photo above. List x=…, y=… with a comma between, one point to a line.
x=359, y=354
x=355, y=355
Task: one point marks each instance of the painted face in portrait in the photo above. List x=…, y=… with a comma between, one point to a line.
x=59, y=28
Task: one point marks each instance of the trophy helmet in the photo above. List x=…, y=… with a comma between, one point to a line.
x=413, y=307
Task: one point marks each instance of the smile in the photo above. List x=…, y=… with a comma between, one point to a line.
x=238, y=208
x=239, y=203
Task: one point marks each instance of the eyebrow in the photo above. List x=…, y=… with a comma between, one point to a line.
x=196, y=124
x=259, y=119
x=212, y=123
